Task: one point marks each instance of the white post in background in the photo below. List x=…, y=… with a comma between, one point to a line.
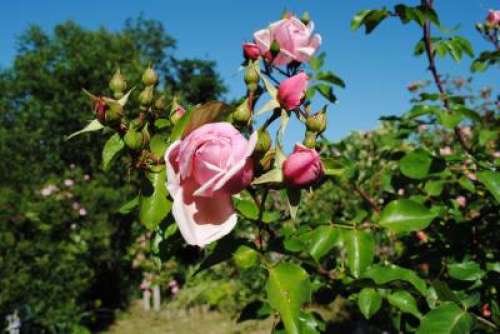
x=156, y=298
x=146, y=298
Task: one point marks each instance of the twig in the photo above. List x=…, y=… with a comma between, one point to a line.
x=486, y=322
x=367, y=198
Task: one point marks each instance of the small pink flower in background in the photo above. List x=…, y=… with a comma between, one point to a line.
x=401, y=191
x=292, y=90
x=82, y=212
x=204, y=170
x=461, y=201
x=295, y=39
x=86, y=177
x=472, y=176
x=145, y=285
x=422, y=236
x=76, y=206
x=486, y=311
x=69, y=182
x=48, y=190
x=496, y=154
x=422, y=128
x=445, y=151
x=493, y=17
x=251, y=51
x=303, y=167
x=174, y=287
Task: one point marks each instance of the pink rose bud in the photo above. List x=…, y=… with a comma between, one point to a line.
x=292, y=90
x=422, y=236
x=486, y=311
x=69, y=182
x=445, y=151
x=295, y=39
x=303, y=167
x=82, y=212
x=493, y=17
x=251, y=51
x=204, y=170
x=461, y=201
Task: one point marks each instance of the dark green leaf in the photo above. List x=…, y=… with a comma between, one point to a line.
x=288, y=287
x=381, y=274
x=405, y=302
x=112, y=147
x=405, y=216
x=358, y=19
x=245, y=257
x=331, y=78
x=158, y=145
x=448, y=318
x=360, y=247
x=491, y=181
x=416, y=164
x=247, y=208
x=129, y=206
x=154, y=205
x=369, y=302
x=466, y=271
x=320, y=241
x=326, y=91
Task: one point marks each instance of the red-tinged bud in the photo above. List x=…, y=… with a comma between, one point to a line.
x=422, y=236
x=251, y=51
x=100, y=110
x=486, y=311
x=150, y=78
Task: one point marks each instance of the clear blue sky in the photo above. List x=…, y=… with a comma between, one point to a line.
x=376, y=67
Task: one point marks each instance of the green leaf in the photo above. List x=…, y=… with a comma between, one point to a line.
x=247, y=208
x=416, y=164
x=158, y=145
x=374, y=18
x=434, y=187
x=405, y=302
x=454, y=49
x=288, y=287
x=405, y=215
x=449, y=120
x=444, y=293
x=381, y=274
x=154, y=205
x=491, y=181
x=273, y=176
x=320, y=241
x=161, y=123
x=129, y=206
x=112, y=147
x=245, y=257
x=360, y=247
x=466, y=271
x=358, y=19
x=316, y=62
x=465, y=45
x=94, y=125
x=369, y=302
x=448, y=318
x=326, y=91
x=331, y=78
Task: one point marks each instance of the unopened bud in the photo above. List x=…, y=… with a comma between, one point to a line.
x=160, y=103
x=267, y=160
x=150, y=78
x=310, y=139
x=264, y=142
x=134, y=139
x=306, y=18
x=242, y=114
x=316, y=123
x=117, y=83
x=146, y=96
x=114, y=113
x=251, y=78
x=177, y=114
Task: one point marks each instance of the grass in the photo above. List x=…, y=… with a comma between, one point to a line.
x=193, y=321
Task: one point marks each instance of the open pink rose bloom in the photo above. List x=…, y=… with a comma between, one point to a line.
x=295, y=39
x=204, y=170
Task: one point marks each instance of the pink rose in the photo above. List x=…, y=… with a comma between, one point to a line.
x=292, y=90
x=295, y=39
x=493, y=17
x=303, y=167
x=204, y=169
x=251, y=51
x=461, y=201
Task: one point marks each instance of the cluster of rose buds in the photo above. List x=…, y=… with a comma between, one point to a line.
x=490, y=29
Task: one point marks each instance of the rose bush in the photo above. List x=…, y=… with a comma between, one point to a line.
x=395, y=225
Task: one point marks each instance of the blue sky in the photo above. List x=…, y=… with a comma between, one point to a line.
x=376, y=67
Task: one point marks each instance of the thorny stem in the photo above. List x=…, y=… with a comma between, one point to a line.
x=367, y=198
x=437, y=79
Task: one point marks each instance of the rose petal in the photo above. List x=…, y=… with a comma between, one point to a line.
x=263, y=39
x=202, y=220
x=173, y=177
